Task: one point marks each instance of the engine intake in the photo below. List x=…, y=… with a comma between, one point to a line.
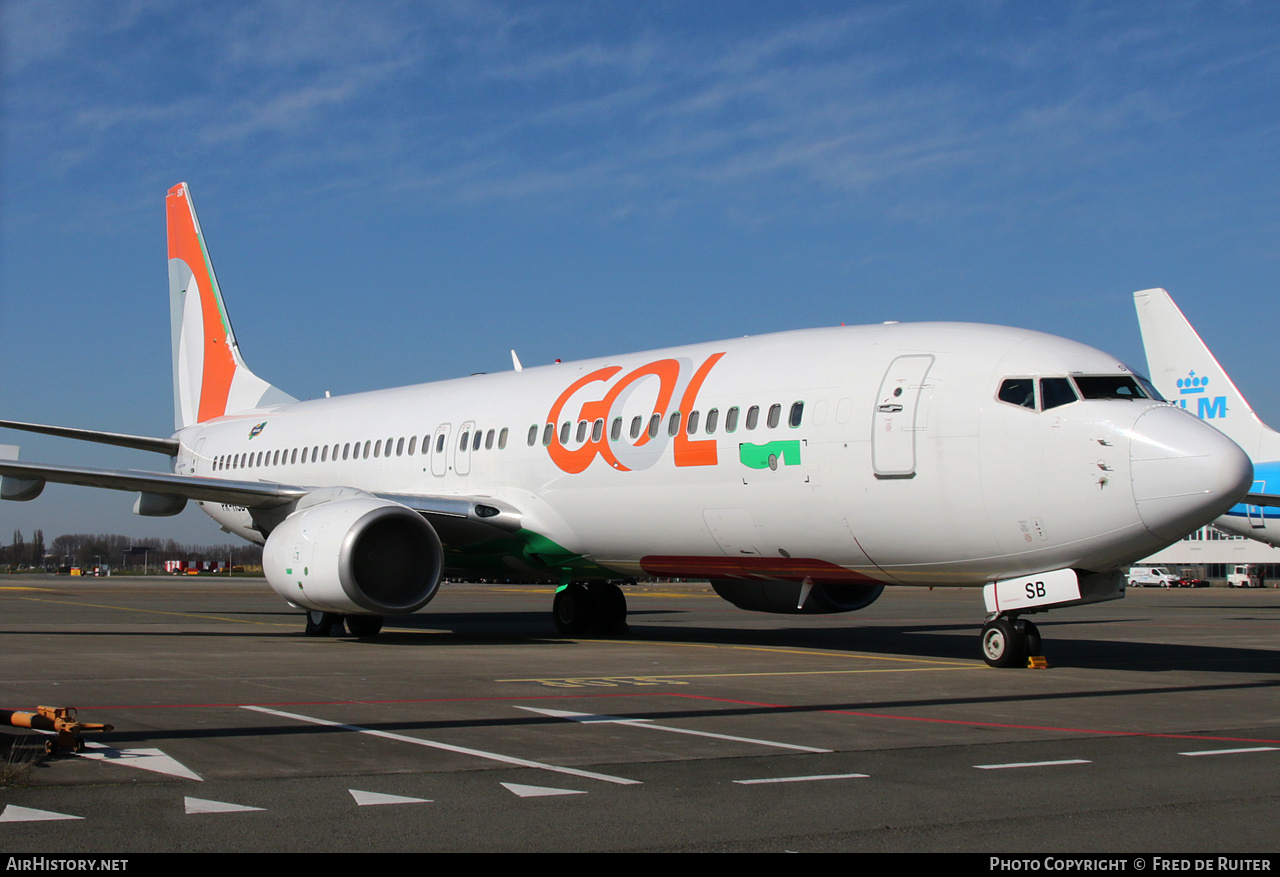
x=781, y=597
x=359, y=555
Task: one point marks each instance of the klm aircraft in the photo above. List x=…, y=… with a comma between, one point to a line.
x=1187, y=374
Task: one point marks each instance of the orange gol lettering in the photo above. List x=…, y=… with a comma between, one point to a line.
x=687, y=452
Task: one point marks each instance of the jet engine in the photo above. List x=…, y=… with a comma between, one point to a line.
x=357, y=555
x=782, y=597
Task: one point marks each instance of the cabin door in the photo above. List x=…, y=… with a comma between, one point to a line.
x=894, y=428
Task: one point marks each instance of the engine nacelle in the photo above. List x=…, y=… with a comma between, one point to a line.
x=781, y=597
x=356, y=555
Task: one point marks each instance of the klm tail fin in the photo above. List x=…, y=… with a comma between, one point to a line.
x=1187, y=374
x=209, y=376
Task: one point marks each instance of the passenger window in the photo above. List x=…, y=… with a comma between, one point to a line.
x=637, y=423
x=673, y=424
x=440, y=443
x=475, y=442
x=502, y=439
x=775, y=415
x=547, y=434
x=366, y=449
x=797, y=414
x=377, y=448
x=1055, y=392
x=1018, y=391
x=488, y=440
x=753, y=416
x=346, y=447
x=713, y=416
x=533, y=434
x=731, y=420
x=655, y=423
x=692, y=427
x=597, y=430
x=615, y=431
x=463, y=439
x=582, y=431
x=293, y=458
x=564, y=433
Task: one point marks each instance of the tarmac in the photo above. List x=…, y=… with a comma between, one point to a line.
x=472, y=726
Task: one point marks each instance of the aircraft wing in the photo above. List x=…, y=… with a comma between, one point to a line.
x=457, y=519
x=250, y=494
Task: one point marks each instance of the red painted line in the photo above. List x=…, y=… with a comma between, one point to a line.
x=680, y=694
x=1098, y=731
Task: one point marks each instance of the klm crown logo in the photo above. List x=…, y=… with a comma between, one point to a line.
x=1209, y=408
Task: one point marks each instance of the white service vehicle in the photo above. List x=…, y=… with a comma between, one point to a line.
x=1152, y=577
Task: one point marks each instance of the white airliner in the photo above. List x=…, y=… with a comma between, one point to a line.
x=1186, y=372
x=798, y=472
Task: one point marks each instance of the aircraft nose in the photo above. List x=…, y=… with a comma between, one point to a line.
x=1185, y=473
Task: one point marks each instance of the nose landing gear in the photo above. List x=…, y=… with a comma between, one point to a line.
x=1010, y=641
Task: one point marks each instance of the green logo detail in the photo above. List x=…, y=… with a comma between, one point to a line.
x=768, y=455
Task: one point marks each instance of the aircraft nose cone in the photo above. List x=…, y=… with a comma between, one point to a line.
x=1185, y=473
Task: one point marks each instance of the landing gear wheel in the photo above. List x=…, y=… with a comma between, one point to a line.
x=1032, y=635
x=1002, y=644
x=610, y=606
x=50, y=747
x=573, y=610
x=364, y=625
x=322, y=623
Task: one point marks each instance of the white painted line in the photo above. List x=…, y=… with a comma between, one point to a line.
x=144, y=759
x=13, y=813
x=462, y=750
x=646, y=723
x=537, y=791
x=372, y=799
x=201, y=805
x=812, y=779
x=1232, y=751
x=1032, y=764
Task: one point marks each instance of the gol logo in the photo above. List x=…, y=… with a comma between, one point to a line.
x=687, y=452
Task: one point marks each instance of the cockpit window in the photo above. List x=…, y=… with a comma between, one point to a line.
x=1018, y=391
x=1055, y=392
x=1110, y=387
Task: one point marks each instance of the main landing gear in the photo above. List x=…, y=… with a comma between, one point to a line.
x=1009, y=641
x=331, y=624
x=599, y=607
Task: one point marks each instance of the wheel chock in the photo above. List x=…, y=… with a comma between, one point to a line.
x=1037, y=662
x=59, y=719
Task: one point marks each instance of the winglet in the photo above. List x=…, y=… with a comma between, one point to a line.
x=209, y=376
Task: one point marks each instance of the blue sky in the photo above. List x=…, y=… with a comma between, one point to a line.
x=400, y=192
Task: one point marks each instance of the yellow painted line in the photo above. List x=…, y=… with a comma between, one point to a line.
x=156, y=612
x=652, y=678
x=24, y=588
x=808, y=653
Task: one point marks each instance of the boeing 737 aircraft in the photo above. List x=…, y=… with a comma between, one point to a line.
x=799, y=472
x=1185, y=371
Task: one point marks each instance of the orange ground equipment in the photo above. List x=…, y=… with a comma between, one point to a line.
x=59, y=719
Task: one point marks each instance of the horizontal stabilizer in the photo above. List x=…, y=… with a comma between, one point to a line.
x=1270, y=500
x=137, y=442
